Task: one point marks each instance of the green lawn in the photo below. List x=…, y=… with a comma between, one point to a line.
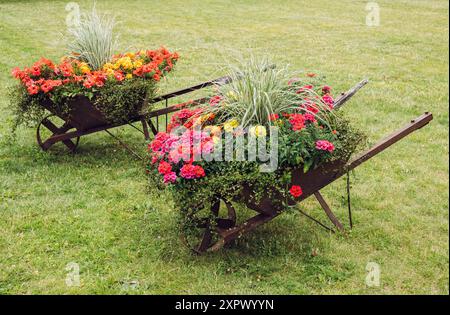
x=95, y=208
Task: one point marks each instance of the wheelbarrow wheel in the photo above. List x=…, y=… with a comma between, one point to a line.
x=53, y=129
x=201, y=234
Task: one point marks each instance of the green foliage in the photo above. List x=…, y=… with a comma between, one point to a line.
x=27, y=108
x=120, y=102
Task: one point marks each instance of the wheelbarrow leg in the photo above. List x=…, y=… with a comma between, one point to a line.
x=328, y=211
x=145, y=129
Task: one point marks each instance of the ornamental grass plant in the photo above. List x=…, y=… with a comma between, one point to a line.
x=91, y=39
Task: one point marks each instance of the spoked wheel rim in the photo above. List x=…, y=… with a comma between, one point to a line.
x=71, y=145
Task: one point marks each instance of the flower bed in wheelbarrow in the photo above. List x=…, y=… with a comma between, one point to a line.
x=87, y=98
x=265, y=142
x=91, y=89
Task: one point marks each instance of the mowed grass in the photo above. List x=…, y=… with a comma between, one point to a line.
x=95, y=208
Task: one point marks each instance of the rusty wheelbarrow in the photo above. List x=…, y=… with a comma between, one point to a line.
x=217, y=232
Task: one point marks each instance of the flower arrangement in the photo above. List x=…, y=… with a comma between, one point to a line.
x=309, y=133
x=116, y=85
x=131, y=76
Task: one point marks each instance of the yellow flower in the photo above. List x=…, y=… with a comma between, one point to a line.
x=107, y=66
x=85, y=69
x=230, y=125
x=258, y=131
x=110, y=72
x=130, y=54
x=128, y=76
x=137, y=64
x=231, y=94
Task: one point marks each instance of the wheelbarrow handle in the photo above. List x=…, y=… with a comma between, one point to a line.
x=383, y=144
x=344, y=97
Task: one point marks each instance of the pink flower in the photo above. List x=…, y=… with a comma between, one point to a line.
x=327, y=99
x=309, y=117
x=187, y=171
x=324, y=145
x=170, y=177
x=213, y=101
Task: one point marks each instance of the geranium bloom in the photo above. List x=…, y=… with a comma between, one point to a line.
x=326, y=89
x=156, y=145
x=33, y=89
x=324, y=145
x=190, y=171
x=296, y=191
x=327, y=99
x=170, y=177
x=164, y=167
x=297, y=121
x=273, y=117
x=309, y=117
x=213, y=101
x=304, y=89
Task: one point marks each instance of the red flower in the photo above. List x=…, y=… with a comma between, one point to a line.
x=324, y=145
x=36, y=71
x=89, y=82
x=17, y=73
x=296, y=191
x=46, y=87
x=187, y=171
x=164, y=168
x=119, y=76
x=199, y=171
x=190, y=171
x=156, y=77
x=297, y=121
x=156, y=145
x=311, y=74
x=215, y=100
x=326, y=89
x=273, y=117
x=304, y=89
x=32, y=89
x=139, y=72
